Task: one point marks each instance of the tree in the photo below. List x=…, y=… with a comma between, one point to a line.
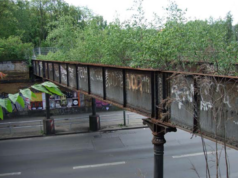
x=7, y=19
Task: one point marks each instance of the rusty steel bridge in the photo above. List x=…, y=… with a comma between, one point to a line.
x=202, y=104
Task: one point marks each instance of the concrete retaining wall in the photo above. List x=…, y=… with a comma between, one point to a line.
x=15, y=70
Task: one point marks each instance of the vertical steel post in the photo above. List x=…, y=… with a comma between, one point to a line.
x=67, y=69
x=104, y=83
x=43, y=65
x=59, y=73
x=124, y=117
x=124, y=88
x=152, y=85
x=53, y=70
x=47, y=100
x=34, y=70
x=38, y=68
x=89, y=80
x=48, y=70
x=77, y=76
x=158, y=142
x=156, y=96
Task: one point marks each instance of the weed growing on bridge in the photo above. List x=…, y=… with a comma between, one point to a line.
x=210, y=103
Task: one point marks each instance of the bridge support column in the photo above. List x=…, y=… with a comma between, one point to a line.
x=158, y=131
x=158, y=142
x=48, y=123
x=94, y=119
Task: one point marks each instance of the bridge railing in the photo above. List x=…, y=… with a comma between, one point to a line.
x=199, y=103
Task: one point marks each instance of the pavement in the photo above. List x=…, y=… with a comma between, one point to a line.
x=112, y=154
x=67, y=124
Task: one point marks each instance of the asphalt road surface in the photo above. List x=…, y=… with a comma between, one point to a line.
x=119, y=154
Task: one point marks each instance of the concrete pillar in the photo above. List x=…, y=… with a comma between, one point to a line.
x=94, y=119
x=48, y=123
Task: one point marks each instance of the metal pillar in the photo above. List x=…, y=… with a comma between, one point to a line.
x=48, y=123
x=158, y=142
x=158, y=130
x=94, y=119
x=47, y=101
x=124, y=117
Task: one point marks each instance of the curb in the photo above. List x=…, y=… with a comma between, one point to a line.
x=126, y=128
x=22, y=137
x=71, y=133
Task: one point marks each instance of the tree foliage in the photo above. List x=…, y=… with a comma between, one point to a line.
x=80, y=35
x=162, y=43
x=12, y=49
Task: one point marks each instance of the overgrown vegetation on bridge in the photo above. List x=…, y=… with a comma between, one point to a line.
x=162, y=43
x=165, y=43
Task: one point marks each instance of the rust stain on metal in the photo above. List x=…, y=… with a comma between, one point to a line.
x=144, y=90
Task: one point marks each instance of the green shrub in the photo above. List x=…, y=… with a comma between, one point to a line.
x=12, y=49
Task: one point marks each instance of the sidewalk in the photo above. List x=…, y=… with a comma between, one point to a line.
x=66, y=124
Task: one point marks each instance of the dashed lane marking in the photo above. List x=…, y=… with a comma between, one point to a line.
x=99, y=165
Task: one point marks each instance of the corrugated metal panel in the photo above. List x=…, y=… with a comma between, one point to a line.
x=83, y=78
x=182, y=108
x=63, y=74
x=56, y=72
x=138, y=89
x=114, y=85
x=72, y=76
x=96, y=81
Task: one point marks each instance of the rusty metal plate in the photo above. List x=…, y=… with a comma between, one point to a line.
x=114, y=85
x=72, y=76
x=96, y=81
x=37, y=67
x=138, y=89
x=41, y=69
x=219, y=108
x=56, y=72
x=46, y=70
x=34, y=67
x=202, y=103
x=50, y=71
x=63, y=74
x=83, y=78
x=182, y=107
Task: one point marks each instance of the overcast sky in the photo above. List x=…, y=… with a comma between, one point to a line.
x=201, y=9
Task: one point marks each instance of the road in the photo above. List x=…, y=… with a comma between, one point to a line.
x=119, y=154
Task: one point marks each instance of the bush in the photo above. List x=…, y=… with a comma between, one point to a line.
x=12, y=49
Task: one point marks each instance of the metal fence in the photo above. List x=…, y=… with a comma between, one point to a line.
x=12, y=127
x=69, y=124
x=43, y=51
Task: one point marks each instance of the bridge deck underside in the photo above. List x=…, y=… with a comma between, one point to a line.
x=198, y=103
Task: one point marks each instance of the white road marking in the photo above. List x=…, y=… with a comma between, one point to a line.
x=11, y=174
x=99, y=165
x=194, y=154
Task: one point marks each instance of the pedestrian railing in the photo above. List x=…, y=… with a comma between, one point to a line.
x=11, y=126
x=16, y=126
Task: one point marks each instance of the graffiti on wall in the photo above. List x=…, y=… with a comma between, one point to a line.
x=114, y=78
x=210, y=93
x=138, y=82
